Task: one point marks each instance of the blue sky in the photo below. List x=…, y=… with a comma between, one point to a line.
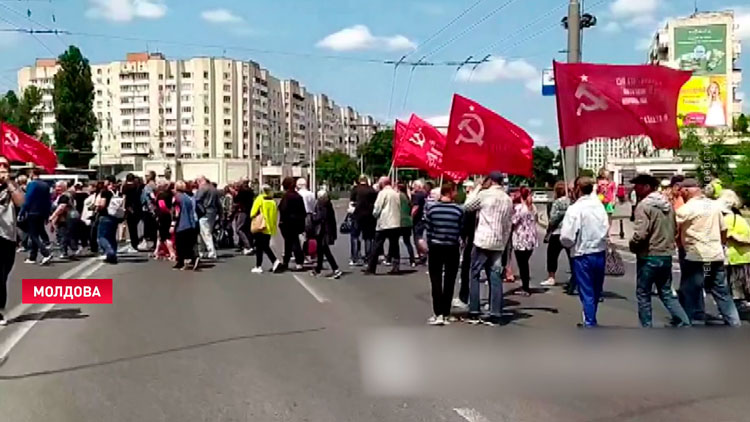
x=523, y=36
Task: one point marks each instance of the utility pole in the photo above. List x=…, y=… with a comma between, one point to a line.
x=178, y=133
x=574, y=56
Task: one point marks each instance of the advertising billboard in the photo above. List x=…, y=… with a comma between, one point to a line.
x=702, y=49
x=703, y=102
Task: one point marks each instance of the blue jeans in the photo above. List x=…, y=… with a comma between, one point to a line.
x=107, y=237
x=355, y=247
x=37, y=232
x=657, y=270
x=588, y=272
x=493, y=263
x=712, y=277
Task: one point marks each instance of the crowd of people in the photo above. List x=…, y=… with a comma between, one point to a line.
x=485, y=234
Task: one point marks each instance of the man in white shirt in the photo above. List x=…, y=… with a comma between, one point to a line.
x=388, y=213
x=702, y=233
x=494, y=212
x=309, y=199
x=584, y=231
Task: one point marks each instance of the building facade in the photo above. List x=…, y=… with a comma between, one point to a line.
x=707, y=44
x=149, y=106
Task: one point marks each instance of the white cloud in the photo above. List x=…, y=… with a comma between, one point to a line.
x=611, y=27
x=643, y=44
x=359, y=37
x=535, y=122
x=126, y=10
x=498, y=69
x=742, y=20
x=541, y=140
x=438, y=121
x=220, y=16
x=633, y=8
x=635, y=12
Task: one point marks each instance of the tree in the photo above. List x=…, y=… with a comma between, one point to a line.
x=336, y=168
x=741, y=124
x=585, y=172
x=741, y=183
x=73, y=96
x=544, y=161
x=24, y=113
x=378, y=153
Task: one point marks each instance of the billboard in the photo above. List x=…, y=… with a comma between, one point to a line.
x=702, y=49
x=703, y=102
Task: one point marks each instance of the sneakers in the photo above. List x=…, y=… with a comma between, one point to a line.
x=276, y=266
x=247, y=252
x=257, y=270
x=336, y=275
x=46, y=260
x=298, y=267
x=548, y=282
x=128, y=249
x=436, y=320
x=352, y=264
x=3, y=321
x=458, y=304
x=29, y=261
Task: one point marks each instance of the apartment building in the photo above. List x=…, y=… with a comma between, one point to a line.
x=204, y=107
x=707, y=44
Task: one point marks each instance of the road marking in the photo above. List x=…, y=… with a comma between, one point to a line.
x=470, y=415
x=24, y=327
x=320, y=298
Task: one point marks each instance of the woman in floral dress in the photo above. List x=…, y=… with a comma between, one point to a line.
x=524, y=237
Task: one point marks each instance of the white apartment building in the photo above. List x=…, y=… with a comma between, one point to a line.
x=600, y=153
x=707, y=43
x=204, y=107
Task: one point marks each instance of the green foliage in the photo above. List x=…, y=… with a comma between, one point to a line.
x=24, y=112
x=73, y=97
x=741, y=124
x=585, y=172
x=377, y=153
x=741, y=182
x=337, y=169
x=544, y=161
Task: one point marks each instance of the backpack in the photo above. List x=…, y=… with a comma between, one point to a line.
x=116, y=207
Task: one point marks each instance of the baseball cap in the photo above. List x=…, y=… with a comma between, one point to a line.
x=497, y=177
x=690, y=183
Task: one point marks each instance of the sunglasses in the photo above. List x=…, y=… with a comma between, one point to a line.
x=4, y=164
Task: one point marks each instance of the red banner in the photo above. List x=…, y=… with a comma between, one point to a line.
x=480, y=141
x=18, y=146
x=66, y=291
x=616, y=101
x=421, y=146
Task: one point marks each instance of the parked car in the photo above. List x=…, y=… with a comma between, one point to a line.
x=540, y=196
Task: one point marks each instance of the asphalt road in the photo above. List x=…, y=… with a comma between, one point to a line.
x=223, y=344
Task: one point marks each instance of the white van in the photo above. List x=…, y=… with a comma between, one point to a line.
x=71, y=179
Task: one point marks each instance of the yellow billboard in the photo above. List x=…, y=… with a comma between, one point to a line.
x=703, y=102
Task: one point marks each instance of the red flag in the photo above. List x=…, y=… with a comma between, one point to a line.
x=18, y=146
x=480, y=141
x=614, y=101
x=422, y=146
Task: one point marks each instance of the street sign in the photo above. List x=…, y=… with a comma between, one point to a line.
x=548, y=83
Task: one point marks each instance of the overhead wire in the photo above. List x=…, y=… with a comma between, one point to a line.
x=447, y=25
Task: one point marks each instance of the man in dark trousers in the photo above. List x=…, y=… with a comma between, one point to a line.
x=36, y=210
x=243, y=203
x=362, y=200
x=292, y=215
x=132, y=193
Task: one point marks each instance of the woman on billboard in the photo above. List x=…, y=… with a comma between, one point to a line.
x=715, y=117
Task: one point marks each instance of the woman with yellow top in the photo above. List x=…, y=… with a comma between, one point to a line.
x=264, y=207
x=738, y=248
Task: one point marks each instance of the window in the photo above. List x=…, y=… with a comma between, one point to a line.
x=206, y=109
x=205, y=87
x=227, y=134
x=227, y=99
x=205, y=121
x=205, y=76
x=161, y=77
x=187, y=109
x=227, y=122
x=227, y=111
x=186, y=75
x=226, y=75
x=227, y=88
x=98, y=71
x=205, y=135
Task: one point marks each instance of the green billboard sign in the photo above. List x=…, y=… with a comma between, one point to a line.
x=702, y=49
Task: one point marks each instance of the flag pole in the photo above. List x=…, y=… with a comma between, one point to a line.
x=565, y=173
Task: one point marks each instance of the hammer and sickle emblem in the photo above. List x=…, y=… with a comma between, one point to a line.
x=597, y=103
x=418, y=138
x=467, y=133
x=11, y=138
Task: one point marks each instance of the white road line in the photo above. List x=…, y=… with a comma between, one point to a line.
x=320, y=298
x=24, y=327
x=470, y=415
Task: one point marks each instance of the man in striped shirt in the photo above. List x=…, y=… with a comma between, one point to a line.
x=443, y=219
x=494, y=211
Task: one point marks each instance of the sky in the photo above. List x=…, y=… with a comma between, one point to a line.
x=338, y=46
